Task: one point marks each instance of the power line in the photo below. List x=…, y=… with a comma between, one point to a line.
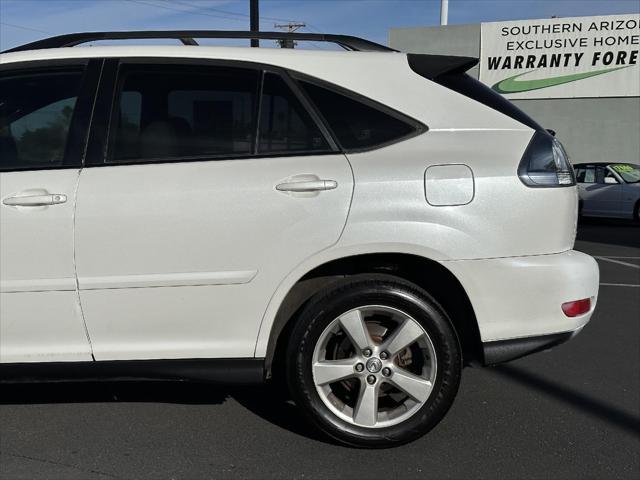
x=21, y=27
x=245, y=15
x=199, y=11
x=164, y=7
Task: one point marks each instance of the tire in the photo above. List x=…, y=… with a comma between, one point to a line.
x=340, y=409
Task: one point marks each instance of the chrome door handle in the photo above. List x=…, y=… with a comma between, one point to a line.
x=35, y=200
x=307, y=186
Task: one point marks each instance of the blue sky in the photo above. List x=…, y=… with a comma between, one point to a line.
x=22, y=21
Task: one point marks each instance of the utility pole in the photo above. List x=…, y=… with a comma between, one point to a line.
x=254, y=21
x=444, y=12
x=290, y=27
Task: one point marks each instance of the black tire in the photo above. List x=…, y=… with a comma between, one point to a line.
x=388, y=291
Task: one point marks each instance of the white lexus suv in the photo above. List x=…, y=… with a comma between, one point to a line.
x=353, y=226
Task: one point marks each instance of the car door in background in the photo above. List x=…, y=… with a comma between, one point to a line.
x=188, y=224
x=44, y=111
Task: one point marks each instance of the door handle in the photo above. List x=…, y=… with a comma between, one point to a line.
x=307, y=186
x=35, y=200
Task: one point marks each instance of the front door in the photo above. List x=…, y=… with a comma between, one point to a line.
x=193, y=218
x=43, y=118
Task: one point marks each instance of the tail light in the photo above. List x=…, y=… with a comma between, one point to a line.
x=545, y=163
x=577, y=307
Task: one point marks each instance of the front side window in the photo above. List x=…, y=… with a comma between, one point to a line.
x=36, y=110
x=604, y=175
x=357, y=125
x=609, y=177
x=181, y=111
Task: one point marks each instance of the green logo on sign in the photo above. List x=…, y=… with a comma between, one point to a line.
x=513, y=85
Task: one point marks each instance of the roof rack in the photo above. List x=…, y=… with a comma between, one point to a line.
x=187, y=37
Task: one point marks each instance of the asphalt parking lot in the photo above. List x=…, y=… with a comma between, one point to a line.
x=573, y=412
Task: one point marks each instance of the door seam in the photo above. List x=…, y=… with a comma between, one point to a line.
x=75, y=268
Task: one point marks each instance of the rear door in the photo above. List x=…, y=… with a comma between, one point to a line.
x=44, y=113
x=216, y=181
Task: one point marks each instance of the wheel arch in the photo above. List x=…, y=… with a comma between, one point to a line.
x=428, y=274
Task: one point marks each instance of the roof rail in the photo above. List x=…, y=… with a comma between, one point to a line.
x=187, y=37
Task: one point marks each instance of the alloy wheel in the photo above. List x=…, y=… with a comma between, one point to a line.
x=374, y=366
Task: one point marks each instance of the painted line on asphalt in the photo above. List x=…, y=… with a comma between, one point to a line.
x=618, y=285
x=626, y=264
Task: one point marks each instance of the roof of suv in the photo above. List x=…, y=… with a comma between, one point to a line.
x=187, y=37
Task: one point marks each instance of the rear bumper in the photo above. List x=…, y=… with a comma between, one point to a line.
x=507, y=350
x=517, y=301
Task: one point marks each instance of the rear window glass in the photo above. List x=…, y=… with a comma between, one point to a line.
x=355, y=124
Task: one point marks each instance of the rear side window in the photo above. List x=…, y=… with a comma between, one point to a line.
x=36, y=110
x=585, y=174
x=285, y=126
x=356, y=124
x=181, y=111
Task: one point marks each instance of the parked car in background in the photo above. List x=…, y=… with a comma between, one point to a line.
x=609, y=189
x=353, y=226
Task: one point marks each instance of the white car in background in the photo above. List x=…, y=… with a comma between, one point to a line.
x=609, y=189
x=355, y=225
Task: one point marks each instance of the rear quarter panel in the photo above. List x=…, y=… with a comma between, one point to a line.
x=504, y=219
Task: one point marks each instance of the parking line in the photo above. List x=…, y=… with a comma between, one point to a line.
x=618, y=285
x=626, y=264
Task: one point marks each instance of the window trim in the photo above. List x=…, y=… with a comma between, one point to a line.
x=80, y=124
x=101, y=150
x=418, y=127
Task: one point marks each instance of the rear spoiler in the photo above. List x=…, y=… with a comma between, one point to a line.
x=434, y=66
x=449, y=71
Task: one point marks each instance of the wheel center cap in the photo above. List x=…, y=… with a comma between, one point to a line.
x=374, y=365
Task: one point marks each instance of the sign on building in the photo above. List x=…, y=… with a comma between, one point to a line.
x=562, y=57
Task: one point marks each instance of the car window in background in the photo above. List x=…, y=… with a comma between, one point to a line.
x=586, y=174
x=609, y=177
x=629, y=172
x=35, y=115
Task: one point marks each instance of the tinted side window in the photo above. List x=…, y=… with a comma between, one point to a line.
x=285, y=125
x=588, y=175
x=183, y=111
x=35, y=115
x=356, y=124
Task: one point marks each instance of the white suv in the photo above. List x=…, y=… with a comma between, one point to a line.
x=355, y=225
